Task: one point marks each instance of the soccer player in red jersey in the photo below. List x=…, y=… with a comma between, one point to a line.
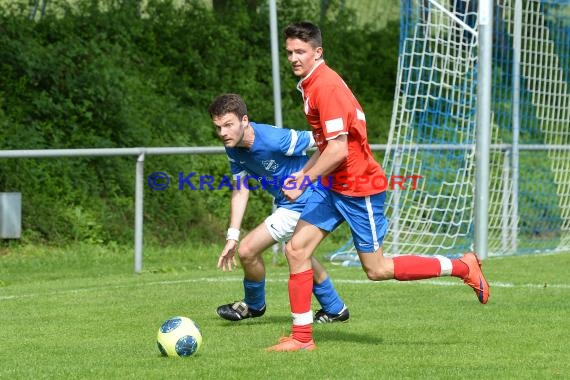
x=344, y=156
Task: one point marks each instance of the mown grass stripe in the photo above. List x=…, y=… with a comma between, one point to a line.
x=283, y=279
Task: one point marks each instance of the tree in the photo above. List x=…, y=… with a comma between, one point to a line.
x=223, y=6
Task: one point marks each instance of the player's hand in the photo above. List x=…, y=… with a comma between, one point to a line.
x=291, y=186
x=292, y=195
x=227, y=260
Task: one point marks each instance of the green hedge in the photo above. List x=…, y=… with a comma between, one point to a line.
x=93, y=76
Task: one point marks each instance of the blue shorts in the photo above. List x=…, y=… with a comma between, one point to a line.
x=327, y=209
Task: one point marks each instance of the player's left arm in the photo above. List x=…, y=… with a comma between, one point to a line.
x=295, y=143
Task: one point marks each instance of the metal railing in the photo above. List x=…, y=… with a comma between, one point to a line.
x=141, y=153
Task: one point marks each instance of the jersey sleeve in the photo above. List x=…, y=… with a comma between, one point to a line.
x=296, y=143
x=335, y=112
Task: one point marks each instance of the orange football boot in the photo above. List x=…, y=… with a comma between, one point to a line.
x=287, y=343
x=475, y=278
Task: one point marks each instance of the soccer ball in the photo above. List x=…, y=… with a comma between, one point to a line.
x=179, y=336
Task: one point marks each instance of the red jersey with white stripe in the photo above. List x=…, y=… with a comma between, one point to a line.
x=332, y=110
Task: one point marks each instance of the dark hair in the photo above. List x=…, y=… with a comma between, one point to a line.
x=305, y=31
x=228, y=103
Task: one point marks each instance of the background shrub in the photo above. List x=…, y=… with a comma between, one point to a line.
x=99, y=74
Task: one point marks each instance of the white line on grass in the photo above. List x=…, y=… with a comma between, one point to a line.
x=239, y=279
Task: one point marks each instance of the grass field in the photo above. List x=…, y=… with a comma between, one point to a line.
x=81, y=313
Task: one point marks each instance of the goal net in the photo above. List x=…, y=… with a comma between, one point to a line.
x=433, y=129
x=536, y=216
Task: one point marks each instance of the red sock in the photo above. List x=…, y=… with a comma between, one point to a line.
x=300, y=292
x=459, y=269
x=303, y=333
x=408, y=268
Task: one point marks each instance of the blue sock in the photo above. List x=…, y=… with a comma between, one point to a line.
x=254, y=293
x=328, y=297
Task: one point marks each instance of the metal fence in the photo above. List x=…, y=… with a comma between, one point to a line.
x=508, y=234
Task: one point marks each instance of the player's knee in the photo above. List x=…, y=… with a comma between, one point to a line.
x=293, y=253
x=377, y=274
x=246, y=253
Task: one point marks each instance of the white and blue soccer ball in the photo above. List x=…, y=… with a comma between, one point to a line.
x=179, y=337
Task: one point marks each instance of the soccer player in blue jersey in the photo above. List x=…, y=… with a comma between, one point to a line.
x=269, y=155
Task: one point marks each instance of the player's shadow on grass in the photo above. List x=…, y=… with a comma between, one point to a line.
x=346, y=336
x=265, y=320
x=332, y=334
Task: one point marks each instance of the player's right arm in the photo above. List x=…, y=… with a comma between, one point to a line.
x=296, y=143
x=334, y=154
x=238, y=205
x=291, y=190
x=320, y=165
x=314, y=158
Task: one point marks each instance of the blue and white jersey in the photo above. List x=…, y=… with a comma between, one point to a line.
x=276, y=153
